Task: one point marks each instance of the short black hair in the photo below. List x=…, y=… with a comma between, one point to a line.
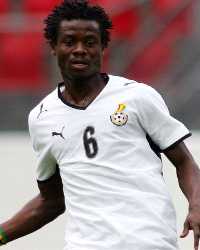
x=77, y=9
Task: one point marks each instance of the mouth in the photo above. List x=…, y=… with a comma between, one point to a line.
x=79, y=65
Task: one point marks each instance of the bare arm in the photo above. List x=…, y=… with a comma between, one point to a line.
x=188, y=175
x=44, y=208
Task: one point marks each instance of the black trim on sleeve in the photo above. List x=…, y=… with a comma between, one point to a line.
x=51, y=177
x=177, y=142
x=153, y=146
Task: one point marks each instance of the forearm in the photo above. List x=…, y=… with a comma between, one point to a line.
x=30, y=218
x=189, y=181
x=188, y=172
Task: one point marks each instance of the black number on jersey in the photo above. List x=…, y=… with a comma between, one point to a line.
x=90, y=143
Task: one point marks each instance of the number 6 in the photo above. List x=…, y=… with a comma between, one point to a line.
x=90, y=143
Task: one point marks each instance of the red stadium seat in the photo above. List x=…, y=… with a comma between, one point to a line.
x=126, y=24
x=110, y=4
x=154, y=59
x=39, y=6
x=125, y=20
x=4, y=6
x=158, y=55
x=22, y=61
x=164, y=7
x=183, y=22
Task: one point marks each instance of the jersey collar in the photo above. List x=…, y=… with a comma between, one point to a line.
x=60, y=96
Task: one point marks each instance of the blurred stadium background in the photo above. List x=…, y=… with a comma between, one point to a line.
x=153, y=41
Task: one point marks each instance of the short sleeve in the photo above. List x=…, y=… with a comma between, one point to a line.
x=156, y=120
x=41, y=141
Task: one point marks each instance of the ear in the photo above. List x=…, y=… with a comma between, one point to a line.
x=53, y=49
x=102, y=50
x=53, y=52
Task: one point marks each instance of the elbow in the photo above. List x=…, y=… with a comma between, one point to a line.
x=58, y=207
x=61, y=208
x=53, y=208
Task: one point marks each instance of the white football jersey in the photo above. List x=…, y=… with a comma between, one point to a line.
x=109, y=160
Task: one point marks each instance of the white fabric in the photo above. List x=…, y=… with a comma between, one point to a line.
x=118, y=199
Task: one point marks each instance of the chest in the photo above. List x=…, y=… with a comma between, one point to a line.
x=107, y=126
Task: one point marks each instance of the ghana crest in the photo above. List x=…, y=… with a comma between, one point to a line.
x=119, y=118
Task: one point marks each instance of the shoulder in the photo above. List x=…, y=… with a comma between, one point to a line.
x=147, y=93
x=40, y=120
x=121, y=81
x=138, y=89
x=42, y=106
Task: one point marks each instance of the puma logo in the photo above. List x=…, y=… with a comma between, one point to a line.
x=128, y=83
x=59, y=134
x=41, y=110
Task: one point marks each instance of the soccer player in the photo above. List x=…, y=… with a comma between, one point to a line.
x=99, y=140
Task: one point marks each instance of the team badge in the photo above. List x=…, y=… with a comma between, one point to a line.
x=119, y=118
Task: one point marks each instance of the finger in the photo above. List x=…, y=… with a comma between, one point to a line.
x=196, y=231
x=185, y=230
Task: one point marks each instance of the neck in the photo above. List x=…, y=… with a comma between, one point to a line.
x=82, y=91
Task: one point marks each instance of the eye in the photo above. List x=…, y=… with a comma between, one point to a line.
x=90, y=42
x=69, y=42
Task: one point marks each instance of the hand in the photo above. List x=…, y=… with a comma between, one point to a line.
x=192, y=222
x=1, y=240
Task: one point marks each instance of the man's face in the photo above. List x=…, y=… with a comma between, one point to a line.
x=79, y=49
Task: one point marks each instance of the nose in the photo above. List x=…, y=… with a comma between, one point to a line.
x=80, y=49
